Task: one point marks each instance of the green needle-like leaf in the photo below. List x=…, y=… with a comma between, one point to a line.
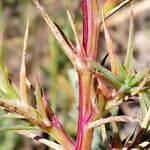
x=122, y=75
x=138, y=77
x=130, y=47
x=107, y=74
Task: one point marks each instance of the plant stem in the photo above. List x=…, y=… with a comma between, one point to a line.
x=84, y=135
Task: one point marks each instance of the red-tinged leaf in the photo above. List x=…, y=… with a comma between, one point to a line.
x=23, y=88
x=110, y=47
x=42, y=104
x=102, y=86
x=48, y=110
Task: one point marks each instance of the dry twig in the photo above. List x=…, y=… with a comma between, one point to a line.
x=100, y=122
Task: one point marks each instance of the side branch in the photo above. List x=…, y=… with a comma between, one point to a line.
x=16, y=106
x=100, y=122
x=65, y=43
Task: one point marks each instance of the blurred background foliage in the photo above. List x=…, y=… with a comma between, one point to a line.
x=46, y=59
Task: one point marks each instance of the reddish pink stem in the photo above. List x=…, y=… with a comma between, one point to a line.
x=85, y=23
x=84, y=135
x=90, y=27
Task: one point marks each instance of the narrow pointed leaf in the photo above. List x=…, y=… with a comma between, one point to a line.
x=122, y=75
x=130, y=47
x=140, y=86
x=23, y=88
x=42, y=104
x=138, y=77
x=79, y=49
x=48, y=110
x=108, y=74
x=110, y=47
